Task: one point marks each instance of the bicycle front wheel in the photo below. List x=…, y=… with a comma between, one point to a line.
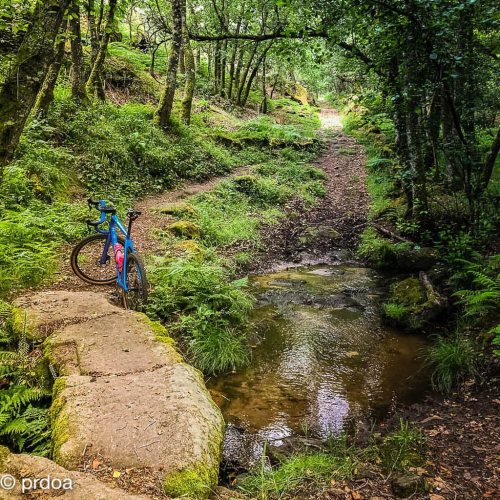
x=137, y=284
x=86, y=260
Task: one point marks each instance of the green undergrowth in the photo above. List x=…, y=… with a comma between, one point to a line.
x=105, y=151
x=288, y=124
x=24, y=391
x=455, y=359
x=470, y=277
x=196, y=289
x=309, y=474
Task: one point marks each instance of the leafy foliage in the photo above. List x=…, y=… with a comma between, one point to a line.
x=24, y=394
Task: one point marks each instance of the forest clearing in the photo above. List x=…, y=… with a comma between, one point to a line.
x=249, y=249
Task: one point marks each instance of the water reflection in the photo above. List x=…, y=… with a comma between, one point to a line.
x=324, y=358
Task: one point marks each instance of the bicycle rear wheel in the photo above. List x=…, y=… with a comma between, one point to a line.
x=86, y=257
x=137, y=284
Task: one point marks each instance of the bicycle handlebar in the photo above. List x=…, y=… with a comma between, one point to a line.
x=101, y=206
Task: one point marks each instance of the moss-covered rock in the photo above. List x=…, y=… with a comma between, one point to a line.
x=185, y=229
x=4, y=455
x=317, y=236
x=189, y=483
x=180, y=209
x=190, y=247
x=411, y=304
x=384, y=254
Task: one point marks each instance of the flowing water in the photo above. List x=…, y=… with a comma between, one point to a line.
x=323, y=358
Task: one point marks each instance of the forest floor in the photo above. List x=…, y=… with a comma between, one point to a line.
x=461, y=430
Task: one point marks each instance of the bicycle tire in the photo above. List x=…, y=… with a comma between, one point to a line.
x=93, y=272
x=137, y=284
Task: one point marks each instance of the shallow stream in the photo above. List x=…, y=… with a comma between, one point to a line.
x=323, y=359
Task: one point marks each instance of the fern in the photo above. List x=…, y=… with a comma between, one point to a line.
x=483, y=297
x=24, y=426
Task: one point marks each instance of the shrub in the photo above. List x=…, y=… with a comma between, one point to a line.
x=454, y=358
x=198, y=297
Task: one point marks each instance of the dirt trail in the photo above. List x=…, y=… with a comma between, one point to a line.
x=334, y=224
x=144, y=231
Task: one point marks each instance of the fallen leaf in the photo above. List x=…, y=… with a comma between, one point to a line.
x=355, y=495
x=418, y=470
x=429, y=419
x=116, y=474
x=95, y=463
x=351, y=354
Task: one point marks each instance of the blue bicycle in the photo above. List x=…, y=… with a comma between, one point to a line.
x=92, y=261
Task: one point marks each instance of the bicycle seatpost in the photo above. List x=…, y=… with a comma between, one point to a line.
x=132, y=216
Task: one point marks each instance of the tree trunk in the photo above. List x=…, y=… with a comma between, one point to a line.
x=94, y=83
x=217, y=67
x=239, y=66
x=164, y=109
x=239, y=100
x=46, y=94
x=77, y=67
x=223, y=69
x=254, y=73
x=264, y=90
x=26, y=74
x=92, y=26
x=189, y=69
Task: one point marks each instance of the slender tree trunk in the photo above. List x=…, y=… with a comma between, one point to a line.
x=254, y=73
x=217, y=67
x=239, y=66
x=26, y=74
x=46, y=94
x=232, y=68
x=95, y=78
x=77, y=67
x=164, y=109
x=92, y=26
x=187, y=102
x=182, y=61
x=243, y=80
x=223, y=63
x=264, y=90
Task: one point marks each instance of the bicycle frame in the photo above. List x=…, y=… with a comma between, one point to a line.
x=112, y=239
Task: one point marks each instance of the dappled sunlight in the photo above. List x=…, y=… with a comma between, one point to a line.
x=330, y=118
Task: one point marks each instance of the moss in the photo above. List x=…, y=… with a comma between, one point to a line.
x=21, y=323
x=179, y=209
x=189, y=483
x=161, y=335
x=407, y=301
x=185, y=229
x=409, y=292
x=245, y=184
x=188, y=247
x=59, y=421
x=4, y=456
